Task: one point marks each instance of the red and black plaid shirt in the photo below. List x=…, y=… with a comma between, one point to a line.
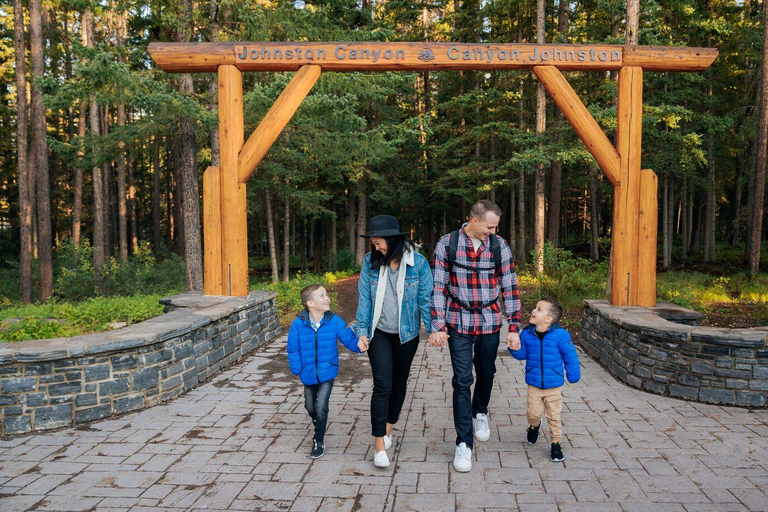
x=474, y=288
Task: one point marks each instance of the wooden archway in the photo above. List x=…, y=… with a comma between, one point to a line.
x=635, y=212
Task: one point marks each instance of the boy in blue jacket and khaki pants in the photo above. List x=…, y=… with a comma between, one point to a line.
x=547, y=349
x=313, y=355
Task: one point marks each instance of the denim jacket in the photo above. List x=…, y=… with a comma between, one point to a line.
x=414, y=290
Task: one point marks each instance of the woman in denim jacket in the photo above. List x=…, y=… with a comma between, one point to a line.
x=395, y=289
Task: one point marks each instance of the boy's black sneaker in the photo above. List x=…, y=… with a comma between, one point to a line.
x=533, y=434
x=557, y=453
x=318, y=449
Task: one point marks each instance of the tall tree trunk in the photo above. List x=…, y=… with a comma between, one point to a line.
x=512, y=217
x=193, y=249
x=77, y=208
x=271, y=236
x=99, y=227
x=26, y=201
x=555, y=198
x=108, y=213
x=351, y=220
x=39, y=141
x=122, y=204
x=156, y=237
x=736, y=215
x=362, y=219
x=594, y=215
x=287, y=233
x=556, y=179
x=711, y=226
x=334, y=236
x=121, y=35
x=762, y=140
x=541, y=126
x=665, y=225
x=134, y=229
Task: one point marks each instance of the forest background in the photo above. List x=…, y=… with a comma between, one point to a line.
x=101, y=158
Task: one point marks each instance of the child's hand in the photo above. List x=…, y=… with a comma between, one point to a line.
x=513, y=341
x=362, y=343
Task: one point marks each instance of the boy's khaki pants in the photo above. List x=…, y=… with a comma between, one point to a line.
x=550, y=402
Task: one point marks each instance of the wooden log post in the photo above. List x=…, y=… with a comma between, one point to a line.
x=581, y=120
x=234, y=241
x=648, y=233
x=626, y=205
x=213, y=284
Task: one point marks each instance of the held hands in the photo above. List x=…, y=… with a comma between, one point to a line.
x=362, y=343
x=438, y=339
x=513, y=341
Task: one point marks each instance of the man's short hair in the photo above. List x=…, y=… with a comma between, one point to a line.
x=307, y=291
x=482, y=207
x=555, y=309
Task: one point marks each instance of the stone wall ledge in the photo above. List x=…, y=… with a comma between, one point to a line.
x=643, y=349
x=55, y=383
x=174, y=323
x=647, y=321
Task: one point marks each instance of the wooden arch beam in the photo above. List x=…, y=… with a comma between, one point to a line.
x=582, y=121
x=273, y=123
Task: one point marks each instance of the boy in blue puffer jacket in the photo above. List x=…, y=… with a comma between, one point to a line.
x=313, y=355
x=547, y=349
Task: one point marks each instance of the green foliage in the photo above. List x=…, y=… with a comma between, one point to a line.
x=141, y=274
x=568, y=279
x=288, y=294
x=344, y=260
x=62, y=319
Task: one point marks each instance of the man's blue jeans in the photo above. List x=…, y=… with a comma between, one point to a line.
x=466, y=349
x=316, y=398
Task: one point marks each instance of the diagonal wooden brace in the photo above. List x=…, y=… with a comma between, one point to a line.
x=273, y=123
x=582, y=121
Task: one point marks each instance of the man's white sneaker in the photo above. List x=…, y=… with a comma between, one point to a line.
x=387, y=442
x=482, y=429
x=462, y=461
x=380, y=460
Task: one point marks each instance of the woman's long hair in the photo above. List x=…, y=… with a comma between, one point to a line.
x=396, y=247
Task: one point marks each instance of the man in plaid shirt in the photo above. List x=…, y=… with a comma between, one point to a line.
x=466, y=316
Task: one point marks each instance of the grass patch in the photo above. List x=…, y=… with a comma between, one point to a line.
x=63, y=319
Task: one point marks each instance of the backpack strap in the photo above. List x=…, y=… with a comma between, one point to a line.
x=450, y=253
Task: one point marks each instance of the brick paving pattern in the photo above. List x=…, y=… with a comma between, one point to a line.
x=242, y=442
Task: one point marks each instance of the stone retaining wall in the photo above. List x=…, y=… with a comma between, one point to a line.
x=644, y=349
x=46, y=384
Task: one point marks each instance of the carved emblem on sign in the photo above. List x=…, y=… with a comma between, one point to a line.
x=426, y=55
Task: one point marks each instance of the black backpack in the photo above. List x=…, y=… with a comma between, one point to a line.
x=450, y=253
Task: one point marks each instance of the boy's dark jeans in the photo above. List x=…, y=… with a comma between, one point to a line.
x=316, y=397
x=466, y=349
x=391, y=365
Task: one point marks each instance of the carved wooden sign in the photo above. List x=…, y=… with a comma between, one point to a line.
x=382, y=56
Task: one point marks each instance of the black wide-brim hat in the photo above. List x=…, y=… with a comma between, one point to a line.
x=383, y=226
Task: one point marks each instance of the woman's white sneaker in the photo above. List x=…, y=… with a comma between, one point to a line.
x=482, y=429
x=387, y=442
x=462, y=461
x=381, y=460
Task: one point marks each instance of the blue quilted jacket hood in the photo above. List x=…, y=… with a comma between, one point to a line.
x=314, y=355
x=545, y=360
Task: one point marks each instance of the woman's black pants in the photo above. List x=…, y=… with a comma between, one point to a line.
x=391, y=364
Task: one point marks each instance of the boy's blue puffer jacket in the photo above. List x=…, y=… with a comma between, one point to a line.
x=545, y=359
x=314, y=355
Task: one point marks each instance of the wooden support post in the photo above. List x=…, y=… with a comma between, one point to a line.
x=649, y=219
x=273, y=123
x=213, y=284
x=581, y=120
x=626, y=204
x=234, y=241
